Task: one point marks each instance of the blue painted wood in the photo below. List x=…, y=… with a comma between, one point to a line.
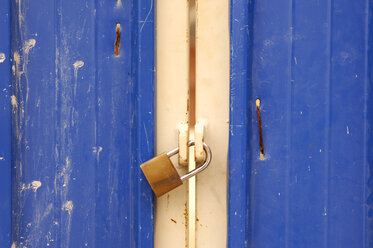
x=312, y=68
x=240, y=130
x=83, y=121
x=5, y=126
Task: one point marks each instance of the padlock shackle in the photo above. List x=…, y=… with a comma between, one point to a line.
x=198, y=169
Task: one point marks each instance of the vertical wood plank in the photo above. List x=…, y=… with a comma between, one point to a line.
x=172, y=109
x=212, y=109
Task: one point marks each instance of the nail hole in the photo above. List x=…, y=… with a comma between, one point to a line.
x=260, y=129
x=117, y=40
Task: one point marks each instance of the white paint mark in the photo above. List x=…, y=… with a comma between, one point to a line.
x=309, y=167
x=97, y=150
x=29, y=44
x=17, y=60
x=66, y=172
x=35, y=185
x=78, y=64
x=295, y=60
x=268, y=43
x=320, y=150
x=325, y=213
x=348, y=131
x=279, y=193
x=24, y=187
x=68, y=206
x=14, y=102
x=2, y=57
x=47, y=210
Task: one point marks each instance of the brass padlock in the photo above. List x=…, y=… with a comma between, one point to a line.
x=162, y=175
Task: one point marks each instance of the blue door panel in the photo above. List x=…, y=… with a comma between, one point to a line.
x=310, y=64
x=79, y=114
x=5, y=126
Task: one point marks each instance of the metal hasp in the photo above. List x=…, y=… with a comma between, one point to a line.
x=194, y=172
x=162, y=175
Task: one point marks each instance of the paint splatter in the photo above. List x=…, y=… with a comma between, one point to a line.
x=2, y=57
x=28, y=45
x=14, y=102
x=35, y=185
x=68, y=206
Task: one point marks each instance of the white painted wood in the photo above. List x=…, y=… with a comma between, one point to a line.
x=172, y=97
x=212, y=108
x=198, y=137
x=191, y=228
x=183, y=144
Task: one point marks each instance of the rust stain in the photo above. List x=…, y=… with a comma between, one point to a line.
x=117, y=40
x=186, y=215
x=260, y=129
x=174, y=221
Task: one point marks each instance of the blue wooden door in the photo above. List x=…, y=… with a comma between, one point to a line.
x=311, y=65
x=76, y=122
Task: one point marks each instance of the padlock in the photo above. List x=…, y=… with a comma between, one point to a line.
x=162, y=175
